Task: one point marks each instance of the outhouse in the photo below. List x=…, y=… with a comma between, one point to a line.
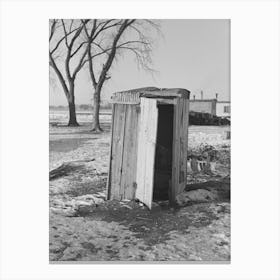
x=149, y=139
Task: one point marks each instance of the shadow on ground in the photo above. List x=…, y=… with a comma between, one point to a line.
x=152, y=226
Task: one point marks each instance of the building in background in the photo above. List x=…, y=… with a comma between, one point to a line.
x=203, y=106
x=223, y=109
x=210, y=106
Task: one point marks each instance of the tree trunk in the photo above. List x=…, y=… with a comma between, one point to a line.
x=72, y=108
x=72, y=114
x=95, y=114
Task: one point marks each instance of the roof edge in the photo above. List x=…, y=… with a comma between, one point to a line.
x=151, y=92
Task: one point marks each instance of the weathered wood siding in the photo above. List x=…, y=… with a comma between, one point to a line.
x=108, y=186
x=129, y=160
x=146, y=150
x=122, y=169
x=133, y=147
x=180, y=146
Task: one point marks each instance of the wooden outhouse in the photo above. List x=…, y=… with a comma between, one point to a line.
x=149, y=139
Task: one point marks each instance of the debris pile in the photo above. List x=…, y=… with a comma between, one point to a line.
x=199, y=195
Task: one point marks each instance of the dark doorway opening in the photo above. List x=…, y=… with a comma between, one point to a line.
x=163, y=156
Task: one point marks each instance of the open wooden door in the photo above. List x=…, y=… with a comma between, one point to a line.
x=180, y=147
x=146, y=150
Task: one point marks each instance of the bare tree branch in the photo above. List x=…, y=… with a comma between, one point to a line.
x=112, y=54
x=76, y=35
x=71, y=24
x=65, y=34
x=62, y=39
x=59, y=74
x=78, y=48
x=53, y=26
x=106, y=26
x=80, y=65
x=135, y=41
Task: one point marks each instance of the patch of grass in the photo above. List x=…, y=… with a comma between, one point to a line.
x=84, y=188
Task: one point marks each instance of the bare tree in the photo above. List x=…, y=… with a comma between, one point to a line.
x=108, y=38
x=71, y=56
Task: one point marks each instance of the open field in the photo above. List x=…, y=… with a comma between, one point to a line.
x=86, y=227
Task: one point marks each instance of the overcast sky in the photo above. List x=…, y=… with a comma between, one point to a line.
x=193, y=54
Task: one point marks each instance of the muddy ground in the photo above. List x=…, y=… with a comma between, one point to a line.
x=83, y=226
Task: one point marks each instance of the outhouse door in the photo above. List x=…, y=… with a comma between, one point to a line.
x=146, y=150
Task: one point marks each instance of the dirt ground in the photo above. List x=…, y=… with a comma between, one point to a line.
x=83, y=226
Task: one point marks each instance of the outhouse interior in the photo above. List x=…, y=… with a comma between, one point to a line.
x=148, y=154
x=163, y=155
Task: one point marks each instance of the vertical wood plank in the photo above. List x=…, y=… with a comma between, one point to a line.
x=180, y=146
x=151, y=136
x=129, y=153
x=186, y=136
x=175, y=154
x=117, y=151
x=184, y=141
x=126, y=161
x=108, y=185
x=146, y=150
x=141, y=155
